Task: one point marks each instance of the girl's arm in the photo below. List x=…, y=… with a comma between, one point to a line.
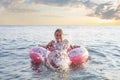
x=73, y=46
x=49, y=46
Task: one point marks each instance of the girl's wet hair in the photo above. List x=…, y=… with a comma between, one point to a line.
x=59, y=30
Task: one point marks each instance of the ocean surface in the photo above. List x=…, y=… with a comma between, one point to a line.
x=102, y=43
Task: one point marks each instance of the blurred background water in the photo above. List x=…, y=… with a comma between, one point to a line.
x=102, y=42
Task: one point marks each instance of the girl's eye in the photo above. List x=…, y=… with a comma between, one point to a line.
x=58, y=35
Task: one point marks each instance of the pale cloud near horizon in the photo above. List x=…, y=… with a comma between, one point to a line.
x=45, y=9
x=108, y=9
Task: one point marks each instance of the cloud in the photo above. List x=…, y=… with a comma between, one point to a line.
x=54, y=2
x=18, y=6
x=71, y=3
x=106, y=10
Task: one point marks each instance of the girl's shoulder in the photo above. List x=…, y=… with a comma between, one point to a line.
x=52, y=41
x=65, y=41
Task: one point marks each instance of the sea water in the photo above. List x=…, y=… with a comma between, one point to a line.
x=102, y=43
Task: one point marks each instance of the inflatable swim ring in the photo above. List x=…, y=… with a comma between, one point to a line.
x=59, y=59
x=39, y=54
x=76, y=56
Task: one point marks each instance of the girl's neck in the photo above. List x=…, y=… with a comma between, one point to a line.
x=59, y=41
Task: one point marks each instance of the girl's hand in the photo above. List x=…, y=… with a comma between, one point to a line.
x=76, y=46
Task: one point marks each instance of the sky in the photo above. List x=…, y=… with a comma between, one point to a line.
x=60, y=12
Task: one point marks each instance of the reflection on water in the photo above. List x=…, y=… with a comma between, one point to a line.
x=103, y=44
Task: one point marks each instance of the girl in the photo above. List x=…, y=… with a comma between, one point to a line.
x=60, y=43
x=59, y=48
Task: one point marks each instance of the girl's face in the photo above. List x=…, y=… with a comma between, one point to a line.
x=58, y=36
